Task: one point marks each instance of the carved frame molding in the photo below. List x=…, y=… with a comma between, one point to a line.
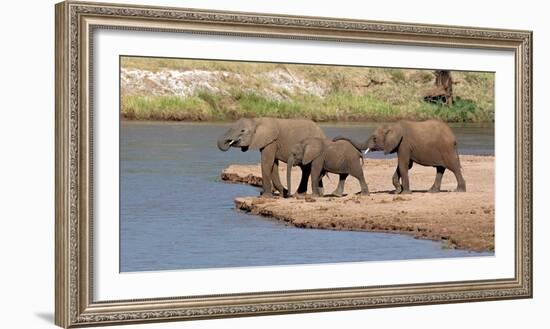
x=76, y=22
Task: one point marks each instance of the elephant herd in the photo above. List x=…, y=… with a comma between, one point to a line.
x=303, y=143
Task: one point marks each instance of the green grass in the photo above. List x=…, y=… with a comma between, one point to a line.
x=207, y=107
x=353, y=94
x=166, y=108
x=462, y=110
x=336, y=107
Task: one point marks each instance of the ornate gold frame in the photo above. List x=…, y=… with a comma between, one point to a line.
x=76, y=21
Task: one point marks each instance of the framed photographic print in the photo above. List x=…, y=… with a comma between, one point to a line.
x=219, y=164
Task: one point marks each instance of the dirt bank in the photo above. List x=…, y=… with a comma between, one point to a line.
x=459, y=220
x=199, y=90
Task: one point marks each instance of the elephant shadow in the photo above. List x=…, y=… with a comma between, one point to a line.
x=391, y=192
x=412, y=191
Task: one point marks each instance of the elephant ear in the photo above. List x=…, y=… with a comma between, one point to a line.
x=264, y=135
x=392, y=137
x=312, y=150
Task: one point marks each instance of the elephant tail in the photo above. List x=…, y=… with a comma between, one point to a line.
x=458, y=159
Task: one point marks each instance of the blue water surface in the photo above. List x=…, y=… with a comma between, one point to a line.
x=175, y=213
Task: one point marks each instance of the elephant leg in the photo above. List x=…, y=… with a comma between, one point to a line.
x=321, y=188
x=461, y=187
x=404, y=165
x=306, y=171
x=453, y=164
x=315, y=178
x=358, y=173
x=268, y=161
x=277, y=180
x=341, y=181
x=436, y=187
x=395, y=180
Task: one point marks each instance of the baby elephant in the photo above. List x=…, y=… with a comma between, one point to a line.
x=339, y=157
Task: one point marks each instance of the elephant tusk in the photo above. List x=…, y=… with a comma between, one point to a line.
x=366, y=151
x=232, y=142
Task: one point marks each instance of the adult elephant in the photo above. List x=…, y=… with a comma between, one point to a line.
x=274, y=138
x=428, y=143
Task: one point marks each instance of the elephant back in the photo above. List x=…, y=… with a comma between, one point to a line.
x=293, y=131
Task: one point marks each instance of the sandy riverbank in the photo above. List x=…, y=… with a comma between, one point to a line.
x=459, y=220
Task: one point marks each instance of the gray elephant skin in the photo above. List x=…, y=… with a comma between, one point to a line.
x=274, y=138
x=428, y=143
x=339, y=157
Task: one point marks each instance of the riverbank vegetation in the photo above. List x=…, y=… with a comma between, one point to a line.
x=199, y=90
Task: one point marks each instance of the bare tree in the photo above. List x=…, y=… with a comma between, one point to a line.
x=442, y=91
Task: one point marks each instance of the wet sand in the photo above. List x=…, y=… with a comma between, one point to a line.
x=458, y=220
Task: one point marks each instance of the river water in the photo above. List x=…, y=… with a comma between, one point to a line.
x=175, y=213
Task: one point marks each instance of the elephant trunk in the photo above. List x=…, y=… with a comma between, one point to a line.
x=290, y=163
x=369, y=145
x=224, y=144
x=359, y=146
